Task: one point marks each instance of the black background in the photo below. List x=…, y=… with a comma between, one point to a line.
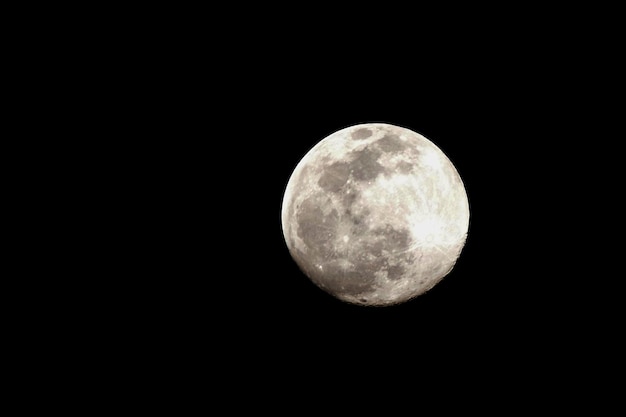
x=229, y=284
x=199, y=127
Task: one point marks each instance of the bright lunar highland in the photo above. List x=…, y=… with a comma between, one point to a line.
x=375, y=214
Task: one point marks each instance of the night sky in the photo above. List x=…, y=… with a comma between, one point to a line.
x=205, y=146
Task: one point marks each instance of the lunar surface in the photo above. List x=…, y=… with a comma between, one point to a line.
x=375, y=214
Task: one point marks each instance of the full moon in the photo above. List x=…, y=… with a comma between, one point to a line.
x=375, y=214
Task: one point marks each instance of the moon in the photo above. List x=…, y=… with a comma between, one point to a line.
x=375, y=214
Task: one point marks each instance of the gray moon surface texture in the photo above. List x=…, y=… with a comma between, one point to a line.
x=375, y=214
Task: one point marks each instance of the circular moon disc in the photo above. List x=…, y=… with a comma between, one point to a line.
x=375, y=214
